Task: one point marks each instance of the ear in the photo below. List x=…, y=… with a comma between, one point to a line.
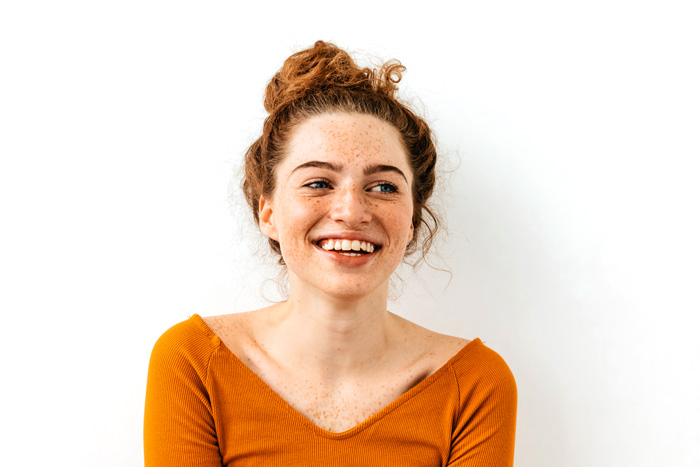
x=410, y=234
x=267, y=219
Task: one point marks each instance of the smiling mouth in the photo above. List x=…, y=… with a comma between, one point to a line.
x=348, y=247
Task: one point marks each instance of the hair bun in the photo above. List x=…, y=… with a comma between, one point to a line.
x=324, y=66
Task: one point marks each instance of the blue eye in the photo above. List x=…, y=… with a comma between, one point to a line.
x=318, y=185
x=385, y=188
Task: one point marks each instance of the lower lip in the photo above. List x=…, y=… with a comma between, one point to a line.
x=350, y=261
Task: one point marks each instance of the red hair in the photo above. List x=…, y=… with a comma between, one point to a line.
x=325, y=79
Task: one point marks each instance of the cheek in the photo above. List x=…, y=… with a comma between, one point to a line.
x=297, y=217
x=399, y=221
x=405, y=216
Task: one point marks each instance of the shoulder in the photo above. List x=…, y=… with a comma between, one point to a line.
x=187, y=346
x=191, y=333
x=237, y=331
x=480, y=370
x=234, y=323
x=485, y=418
x=429, y=350
x=442, y=349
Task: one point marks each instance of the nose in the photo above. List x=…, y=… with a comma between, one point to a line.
x=351, y=207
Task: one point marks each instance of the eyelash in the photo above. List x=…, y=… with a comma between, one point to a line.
x=309, y=185
x=393, y=188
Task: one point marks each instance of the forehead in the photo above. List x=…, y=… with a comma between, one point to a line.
x=348, y=139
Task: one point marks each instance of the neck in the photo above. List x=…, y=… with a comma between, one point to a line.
x=333, y=337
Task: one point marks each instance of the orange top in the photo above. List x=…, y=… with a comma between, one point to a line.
x=205, y=407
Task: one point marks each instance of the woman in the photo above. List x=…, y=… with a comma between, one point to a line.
x=338, y=182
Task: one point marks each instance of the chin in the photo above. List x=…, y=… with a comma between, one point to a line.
x=345, y=288
x=349, y=295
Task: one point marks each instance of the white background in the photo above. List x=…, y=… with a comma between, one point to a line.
x=571, y=129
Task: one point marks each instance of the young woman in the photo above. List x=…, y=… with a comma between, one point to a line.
x=339, y=183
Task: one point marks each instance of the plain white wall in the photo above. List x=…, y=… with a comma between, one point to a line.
x=572, y=210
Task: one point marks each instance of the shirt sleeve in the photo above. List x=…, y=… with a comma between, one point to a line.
x=179, y=428
x=484, y=428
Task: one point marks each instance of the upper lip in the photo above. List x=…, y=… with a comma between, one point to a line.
x=346, y=236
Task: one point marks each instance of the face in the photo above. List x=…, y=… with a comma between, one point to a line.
x=342, y=208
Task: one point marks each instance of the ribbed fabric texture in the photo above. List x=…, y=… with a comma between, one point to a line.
x=206, y=408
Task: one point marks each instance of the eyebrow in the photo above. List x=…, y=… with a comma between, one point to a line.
x=369, y=170
x=373, y=169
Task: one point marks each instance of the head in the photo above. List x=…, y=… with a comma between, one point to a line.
x=325, y=80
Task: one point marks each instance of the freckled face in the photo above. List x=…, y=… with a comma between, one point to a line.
x=342, y=208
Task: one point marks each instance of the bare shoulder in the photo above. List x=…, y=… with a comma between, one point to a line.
x=235, y=330
x=229, y=323
x=446, y=346
x=239, y=323
x=435, y=349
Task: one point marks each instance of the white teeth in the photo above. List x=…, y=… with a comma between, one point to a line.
x=347, y=245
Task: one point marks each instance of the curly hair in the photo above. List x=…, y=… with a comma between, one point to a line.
x=325, y=79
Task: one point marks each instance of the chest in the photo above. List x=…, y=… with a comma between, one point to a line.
x=336, y=407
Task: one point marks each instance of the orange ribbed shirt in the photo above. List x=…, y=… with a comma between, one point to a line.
x=206, y=408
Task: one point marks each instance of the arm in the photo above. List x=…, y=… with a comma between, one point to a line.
x=178, y=423
x=484, y=431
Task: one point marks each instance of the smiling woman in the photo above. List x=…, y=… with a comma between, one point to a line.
x=339, y=183
x=346, y=182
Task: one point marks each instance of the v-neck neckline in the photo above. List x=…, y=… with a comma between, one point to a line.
x=396, y=403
